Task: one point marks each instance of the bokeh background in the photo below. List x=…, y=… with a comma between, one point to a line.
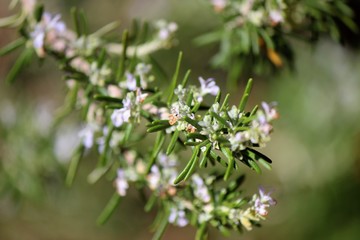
x=315, y=147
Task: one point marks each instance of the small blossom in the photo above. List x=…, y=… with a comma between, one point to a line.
x=98, y=75
x=256, y=17
x=166, y=30
x=207, y=87
x=121, y=183
x=119, y=116
x=270, y=111
x=130, y=82
x=234, y=113
x=48, y=25
x=219, y=5
x=154, y=178
x=87, y=135
x=237, y=141
x=122, y=115
x=262, y=202
x=178, y=217
x=276, y=17
x=200, y=189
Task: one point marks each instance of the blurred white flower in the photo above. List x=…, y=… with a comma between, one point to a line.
x=207, y=87
x=166, y=30
x=178, y=217
x=87, y=135
x=276, y=17
x=200, y=189
x=121, y=183
x=119, y=116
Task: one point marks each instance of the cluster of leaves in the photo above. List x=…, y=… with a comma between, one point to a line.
x=113, y=86
x=256, y=35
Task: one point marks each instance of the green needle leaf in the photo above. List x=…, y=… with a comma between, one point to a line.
x=245, y=96
x=174, y=80
x=74, y=163
x=109, y=209
x=12, y=46
x=172, y=143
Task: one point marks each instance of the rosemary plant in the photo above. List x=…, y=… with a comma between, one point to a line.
x=256, y=35
x=114, y=86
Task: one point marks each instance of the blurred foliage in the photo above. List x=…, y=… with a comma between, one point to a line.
x=255, y=36
x=27, y=161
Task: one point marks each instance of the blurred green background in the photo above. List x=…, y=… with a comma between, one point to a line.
x=315, y=146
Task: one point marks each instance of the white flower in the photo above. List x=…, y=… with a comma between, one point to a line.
x=130, y=82
x=166, y=30
x=178, y=217
x=262, y=202
x=219, y=4
x=121, y=183
x=237, y=141
x=87, y=135
x=207, y=87
x=256, y=17
x=98, y=75
x=270, y=111
x=154, y=178
x=276, y=16
x=234, y=113
x=119, y=116
x=200, y=189
x=48, y=24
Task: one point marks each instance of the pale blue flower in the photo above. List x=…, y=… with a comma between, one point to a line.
x=178, y=217
x=207, y=87
x=121, y=183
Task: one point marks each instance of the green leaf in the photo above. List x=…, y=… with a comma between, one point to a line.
x=158, y=122
x=172, y=143
x=97, y=173
x=225, y=103
x=83, y=22
x=74, y=164
x=205, y=155
x=157, y=128
x=246, y=94
x=220, y=119
x=39, y=10
x=12, y=46
x=267, y=39
x=231, y=160
x=174, y=80
x=188, y=167
x=151, y=202
x=10, y=21
x=186, y=78
x=159, y=142
x=196, y=136
x=254, y=40
x=105, y=29
x=254, y=166
x=121, y=68
x=193, y=122
x=108, y=99
x=109, y=209
x=208, y=38
x=22, y=61
x=201, y=233
x=75, y=17
x=161, y=228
